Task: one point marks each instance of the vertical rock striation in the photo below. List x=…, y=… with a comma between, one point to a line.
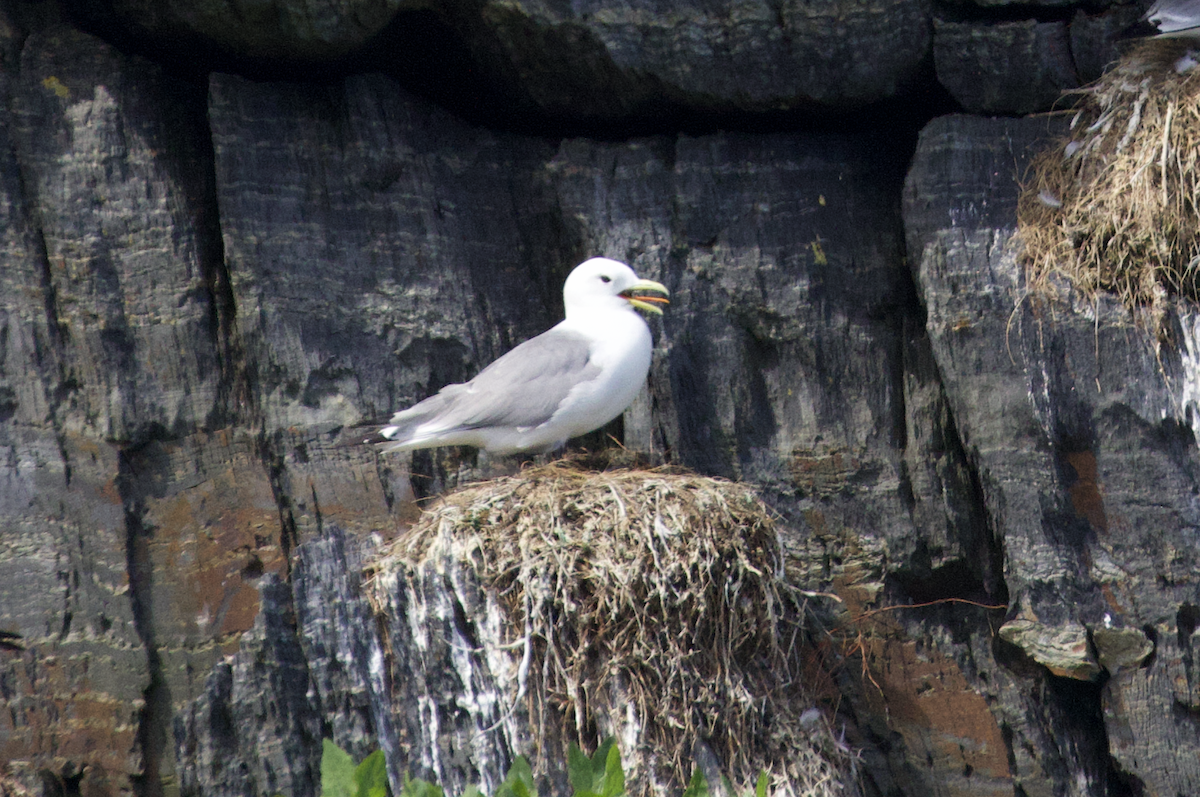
x=205, y=281
x=1072, y=418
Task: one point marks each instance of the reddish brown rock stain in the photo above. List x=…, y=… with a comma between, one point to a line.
x=1086, y=491
x=930, y=702
x=213, y=555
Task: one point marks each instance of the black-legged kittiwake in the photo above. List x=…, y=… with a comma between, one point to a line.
x=1177, y=19
x=567, y=381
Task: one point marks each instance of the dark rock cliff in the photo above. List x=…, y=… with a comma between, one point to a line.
x=229, y=232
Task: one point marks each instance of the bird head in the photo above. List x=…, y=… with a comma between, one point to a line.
x=602, y=282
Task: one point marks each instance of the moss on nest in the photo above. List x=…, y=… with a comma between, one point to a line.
x=1114, y=207
x=660, y=588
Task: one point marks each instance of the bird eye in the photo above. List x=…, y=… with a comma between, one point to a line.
x=605, y=278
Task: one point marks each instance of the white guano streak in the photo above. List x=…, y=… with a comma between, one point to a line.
x=1189, y=399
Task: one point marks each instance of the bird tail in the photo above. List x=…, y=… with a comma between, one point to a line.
x=386, y=438
x=403, y=430
x=398, y=438
x=360, y=434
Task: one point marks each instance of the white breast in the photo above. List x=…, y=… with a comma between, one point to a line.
x=621, y=349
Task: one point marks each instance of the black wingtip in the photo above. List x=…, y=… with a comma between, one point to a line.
x=360, y=434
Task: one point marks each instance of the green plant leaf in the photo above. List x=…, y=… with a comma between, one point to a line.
x=579, y=771
x=612, y=775
x=698, y=786
x=760, y=790
x=337, y=771
x=473, y=791
x=519, y=780
x=600, y=757
x=598, y=776
x=370, y=776
x=415, y=787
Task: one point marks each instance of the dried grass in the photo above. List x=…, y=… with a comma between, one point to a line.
x=10, y=786
x=663, y=589
x=1114, y=207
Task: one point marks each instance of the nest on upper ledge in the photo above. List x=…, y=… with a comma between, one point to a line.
x=1116, y=205
x=649, y=605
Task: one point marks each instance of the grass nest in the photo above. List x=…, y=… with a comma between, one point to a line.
x=1114, y=207
x=664, y=589
x=11, y=787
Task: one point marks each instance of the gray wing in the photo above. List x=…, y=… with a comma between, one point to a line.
x=1173, y=16
x=523, y=388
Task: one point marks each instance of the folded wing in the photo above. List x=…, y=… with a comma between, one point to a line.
x=521, y=390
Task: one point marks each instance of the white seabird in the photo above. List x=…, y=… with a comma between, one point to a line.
x=567, y=381
x=1175, y=19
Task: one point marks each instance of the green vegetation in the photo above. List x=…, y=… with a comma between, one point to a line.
x=698, y=787
x=601, y=775
x=341, y=778
x=598, y=776
x=519, y=780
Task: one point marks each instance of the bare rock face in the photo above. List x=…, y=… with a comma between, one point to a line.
x=107, y=331
x=137, y=522
x=1097, y=39
x=1011, y=67
x=254, y=730
x=282, y=29
x=73, y=667
x=98, y=145
x=1068, y=413
x=609, y=60
x=600, y=61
